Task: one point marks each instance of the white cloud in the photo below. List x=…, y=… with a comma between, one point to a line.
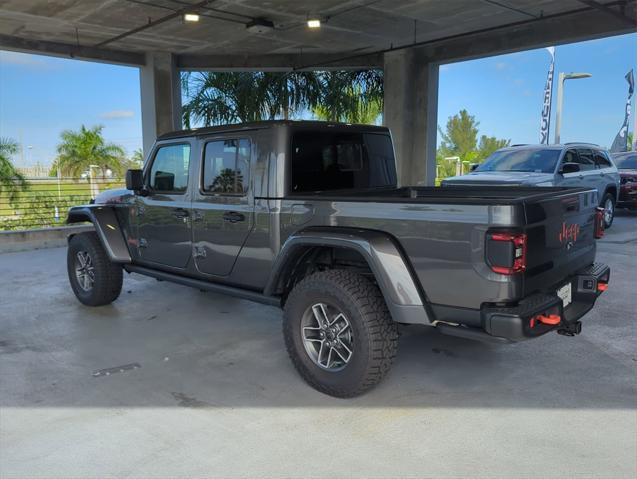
x=500, y=65
x=117, y=114
x=23, y=59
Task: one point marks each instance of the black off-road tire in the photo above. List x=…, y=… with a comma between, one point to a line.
x=609, y=197
x=375, y=334
x=107, y=276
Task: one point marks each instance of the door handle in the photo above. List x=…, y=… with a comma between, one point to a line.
x=233, y=217
x=180, y=213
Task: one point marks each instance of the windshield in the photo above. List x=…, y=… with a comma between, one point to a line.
x=626, y=162
x=537, y=161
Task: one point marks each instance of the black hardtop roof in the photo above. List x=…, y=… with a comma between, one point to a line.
x=304, y=124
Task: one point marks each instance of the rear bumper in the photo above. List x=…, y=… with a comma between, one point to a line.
x=526, y=320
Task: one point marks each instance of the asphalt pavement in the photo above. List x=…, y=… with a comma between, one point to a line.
x=171, y=382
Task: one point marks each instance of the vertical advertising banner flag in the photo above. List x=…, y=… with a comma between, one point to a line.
x=546, y=104
x=621, y=140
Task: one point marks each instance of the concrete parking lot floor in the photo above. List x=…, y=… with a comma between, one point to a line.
x=211, y=393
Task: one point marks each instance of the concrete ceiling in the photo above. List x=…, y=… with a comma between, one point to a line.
x=349, y=26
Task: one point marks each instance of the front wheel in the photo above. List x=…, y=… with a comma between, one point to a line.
x=339, y=333
x=95, y=280
x=608, y=203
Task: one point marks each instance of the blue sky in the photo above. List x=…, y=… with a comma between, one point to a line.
x=505, y=92
x=41, y=96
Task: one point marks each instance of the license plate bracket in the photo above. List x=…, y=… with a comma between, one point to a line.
x=565, y=293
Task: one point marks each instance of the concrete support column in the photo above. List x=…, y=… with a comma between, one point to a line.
x=411, y=113
x=160, y=88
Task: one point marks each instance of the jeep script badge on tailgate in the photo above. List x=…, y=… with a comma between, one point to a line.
x=569, y=234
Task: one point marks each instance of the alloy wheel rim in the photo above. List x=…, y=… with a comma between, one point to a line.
x=84, y=270
x=608, y=211
x=327, y=336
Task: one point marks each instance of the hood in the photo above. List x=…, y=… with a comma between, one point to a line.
x=627, y=172
x=500, y=177
x=114, y=196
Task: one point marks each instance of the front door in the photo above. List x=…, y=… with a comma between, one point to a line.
x=164, y=213
x=575, y=179
x=223, y=209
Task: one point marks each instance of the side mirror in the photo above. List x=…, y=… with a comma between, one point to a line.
x=569, y=168
x=135, y=180
x=473, y=166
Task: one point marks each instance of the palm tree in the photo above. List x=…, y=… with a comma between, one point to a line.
x=135, y=161
x=79, y=150
x=11, y=181
x=230, y=97
x=354, y=96
x=288, y=94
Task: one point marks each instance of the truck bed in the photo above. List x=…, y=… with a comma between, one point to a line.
x=442, y=233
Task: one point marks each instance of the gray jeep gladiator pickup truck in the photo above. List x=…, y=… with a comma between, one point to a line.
x=308, y=216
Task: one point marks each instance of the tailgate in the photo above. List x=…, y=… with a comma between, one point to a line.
x=560, y=238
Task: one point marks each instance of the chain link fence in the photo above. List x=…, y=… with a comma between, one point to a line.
x=45, y=201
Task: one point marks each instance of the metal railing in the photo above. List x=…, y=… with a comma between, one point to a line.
x=44, y=202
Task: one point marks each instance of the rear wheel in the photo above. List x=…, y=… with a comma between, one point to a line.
x=608, y=203
x=339, y=333
x=95, y=280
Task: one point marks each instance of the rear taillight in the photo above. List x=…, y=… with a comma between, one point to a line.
x=506, y=252
x=599, y=222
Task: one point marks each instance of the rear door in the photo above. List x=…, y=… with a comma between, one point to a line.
x=608, y=175
x=223, y=206
x=588, y=169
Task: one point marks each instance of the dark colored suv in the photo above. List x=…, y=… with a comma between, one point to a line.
x=627, y=164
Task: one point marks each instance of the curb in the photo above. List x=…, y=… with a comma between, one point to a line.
x=25, y=240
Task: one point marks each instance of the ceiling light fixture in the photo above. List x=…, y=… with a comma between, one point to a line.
x=191, y=17
x=260, y=25
x=314, y=23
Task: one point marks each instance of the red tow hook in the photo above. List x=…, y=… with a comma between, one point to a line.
x=601, y=287
x=550, y=319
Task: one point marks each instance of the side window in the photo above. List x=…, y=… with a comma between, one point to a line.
x=586, y=160
x=169, y=171
x=226, y=167
x=601, y=160
x=570, y=157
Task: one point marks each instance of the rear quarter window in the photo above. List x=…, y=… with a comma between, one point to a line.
x=324, y=161
x=601, y=160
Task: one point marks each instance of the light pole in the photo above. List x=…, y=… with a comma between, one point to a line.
x=560, y=96
x=91, y=179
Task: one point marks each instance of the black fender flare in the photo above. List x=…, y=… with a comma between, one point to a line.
x=107, y=228
x=384, y=257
